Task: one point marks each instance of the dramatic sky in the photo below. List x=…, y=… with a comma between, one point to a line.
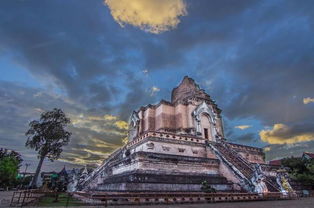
x=98, y=60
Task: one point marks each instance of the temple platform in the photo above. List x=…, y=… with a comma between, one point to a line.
x=160, y=182
x=175, y=146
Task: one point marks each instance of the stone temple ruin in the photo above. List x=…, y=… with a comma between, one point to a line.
x=175, y=146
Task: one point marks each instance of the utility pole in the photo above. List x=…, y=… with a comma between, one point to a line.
x=26, y=166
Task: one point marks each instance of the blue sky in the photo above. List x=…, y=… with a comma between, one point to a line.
x=99, y=60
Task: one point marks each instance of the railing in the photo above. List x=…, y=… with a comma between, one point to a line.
x=166, y=135
x=25, y=197
x=272, y=184
x=244, y=147
x=223, y=154
x=243, y=166
x=235, y=159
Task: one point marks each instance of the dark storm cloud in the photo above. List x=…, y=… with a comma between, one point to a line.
x=276, y=76
x=262, y=65
x=136, y=97
x=93, y=136
x=245, y=138
x=304, y=128
x=207, y=22
x=261, y=47
x=273, y=65
x=66, y=44
x=285, y=134
x=254, y=57
x=279, y=151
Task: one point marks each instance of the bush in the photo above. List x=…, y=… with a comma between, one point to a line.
x=207, y=188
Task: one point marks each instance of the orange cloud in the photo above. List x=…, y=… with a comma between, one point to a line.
x=308, y=100
x=283, y=134
x=110, y=117
x=155, y=16
x=242, y=127
x=121, y=125
x=154, y=90
x=100, y=124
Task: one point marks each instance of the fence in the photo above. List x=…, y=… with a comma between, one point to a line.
x=25, y=197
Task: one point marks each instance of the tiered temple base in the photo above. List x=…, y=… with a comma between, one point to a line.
x=111, y=198
x=149, y=181
x=175, y=146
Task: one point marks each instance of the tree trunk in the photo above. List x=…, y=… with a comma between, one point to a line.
x=34, y=181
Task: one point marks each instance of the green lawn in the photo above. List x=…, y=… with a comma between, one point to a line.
x=49, y=200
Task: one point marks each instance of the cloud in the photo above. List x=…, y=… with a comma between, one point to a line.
x=93, y=138
x=267, y=149
x=155, y=16
x=106, y=117
x=96, y=66
x=242, y=127
x=154, y=90
x=121, y=125
x=145, y=71
x=102, y=124
x=110, y=117
x=136, y=97
x=283, y=134
x=246, y=139
x=308, y=100
x=278, y=151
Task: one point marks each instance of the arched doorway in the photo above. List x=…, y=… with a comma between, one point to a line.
x=206, y=126
x=204, y=121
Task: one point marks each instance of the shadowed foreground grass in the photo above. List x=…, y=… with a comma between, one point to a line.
x=49, y=201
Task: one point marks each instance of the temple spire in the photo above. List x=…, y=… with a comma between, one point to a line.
x=186, y=89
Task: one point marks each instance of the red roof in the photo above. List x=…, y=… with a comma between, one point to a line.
x=275, y=162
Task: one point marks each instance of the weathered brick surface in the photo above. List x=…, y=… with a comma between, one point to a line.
x=171, y=152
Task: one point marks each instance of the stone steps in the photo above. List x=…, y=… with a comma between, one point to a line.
x=244, y=167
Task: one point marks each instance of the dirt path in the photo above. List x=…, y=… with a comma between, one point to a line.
x=5, y=198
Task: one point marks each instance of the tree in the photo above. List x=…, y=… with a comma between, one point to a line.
x=300, y=169
x=8, y=171
x=47, y=136
x=10, y=162
x=10, y=153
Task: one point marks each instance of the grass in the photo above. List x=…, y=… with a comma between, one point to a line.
x=49, y=200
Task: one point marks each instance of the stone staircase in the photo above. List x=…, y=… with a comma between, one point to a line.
x=272, y=184
x=242, y=168
x=92, y=176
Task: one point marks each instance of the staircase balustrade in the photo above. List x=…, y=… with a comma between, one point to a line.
x=246, y=169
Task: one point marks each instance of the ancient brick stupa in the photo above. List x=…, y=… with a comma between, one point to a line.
x=175, y=146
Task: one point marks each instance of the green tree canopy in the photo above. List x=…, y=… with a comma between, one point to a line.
x=47, y=136
x=10, y=162
x=300, y=169
x=10, y=153
x=9, y=167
